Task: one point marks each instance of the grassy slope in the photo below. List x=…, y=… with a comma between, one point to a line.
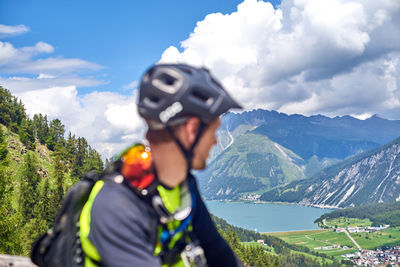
x=16, y=159
x=270, y=250
x=348, y=222
x=261, y=144
x=318, y=238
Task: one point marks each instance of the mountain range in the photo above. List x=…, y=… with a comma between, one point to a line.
x=370, y=177
x=261, y=150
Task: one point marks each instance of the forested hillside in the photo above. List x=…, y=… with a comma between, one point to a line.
x=378, y=214
x=37, y=165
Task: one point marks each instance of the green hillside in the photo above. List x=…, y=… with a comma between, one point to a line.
x=378, y=214
x=252, y=163
x=37, y=166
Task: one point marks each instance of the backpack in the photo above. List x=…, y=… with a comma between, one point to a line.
x=60, y=246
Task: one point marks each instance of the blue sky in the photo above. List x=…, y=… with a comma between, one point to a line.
x=80, y=61
x=124, y=37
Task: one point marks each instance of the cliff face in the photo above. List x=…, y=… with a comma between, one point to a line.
x=373, y=177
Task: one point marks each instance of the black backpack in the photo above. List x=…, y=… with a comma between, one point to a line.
x=61, y=246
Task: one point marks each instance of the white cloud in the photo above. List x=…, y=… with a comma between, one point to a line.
x=8, y=30
x=40, y=47
x=48, y=85
x=20, y=84
x=109, y=121
x=45, y=76
x=333, y=57
x=131, y=85
x=21, y=60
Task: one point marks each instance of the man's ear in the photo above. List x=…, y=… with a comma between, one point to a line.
x=191, y=128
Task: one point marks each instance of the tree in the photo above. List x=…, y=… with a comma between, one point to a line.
x=3, y=148
x=55, y=134
x=29, y=194
x=48, y=205
x=26, y=134
x=12, y=111
x=81, y=155
x=59, y=175
x=41, y=127
x=93, y=162
x=71, y=148
x=9, y=242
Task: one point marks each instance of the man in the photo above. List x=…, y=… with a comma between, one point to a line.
x=149, y=211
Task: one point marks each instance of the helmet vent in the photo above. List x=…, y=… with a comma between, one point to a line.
x=201, y=97
x=168, y=81
x=154, y=99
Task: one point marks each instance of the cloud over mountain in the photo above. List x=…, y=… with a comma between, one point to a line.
x=333, y=57
x=307, y=56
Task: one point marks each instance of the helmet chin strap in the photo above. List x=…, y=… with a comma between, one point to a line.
x=188, y=153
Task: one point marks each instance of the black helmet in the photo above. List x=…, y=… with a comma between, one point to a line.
x=171, y=93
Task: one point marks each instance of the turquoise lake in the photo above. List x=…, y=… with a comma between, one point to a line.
x=267, y=217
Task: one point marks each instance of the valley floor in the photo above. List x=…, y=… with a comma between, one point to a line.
x=336, y=244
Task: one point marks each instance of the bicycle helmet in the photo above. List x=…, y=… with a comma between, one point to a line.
x=171, y=93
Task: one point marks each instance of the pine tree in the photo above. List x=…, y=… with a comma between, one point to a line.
x=55, y=134
x=48, y=204
x=12, y=111
x=80, y=158
x=3, y=148
x=26, y=134
x=71, y=148
x=44, y=203
x=9, y=242
x=59, y=175
x=29, y=194
x=93, y=162
x=41, y=127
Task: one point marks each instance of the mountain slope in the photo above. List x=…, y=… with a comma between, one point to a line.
x=251, y=163
x=37, y=165
x=371, y=177
x=318, y=135
x=317, y=141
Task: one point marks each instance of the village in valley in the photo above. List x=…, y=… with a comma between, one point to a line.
x=365, y=257
x=351, y=239
x=389, y=256
x=378, y=257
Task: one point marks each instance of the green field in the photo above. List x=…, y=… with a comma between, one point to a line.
x=388, y=237
x=344, y=222
x=255, y=244
x=320, y=238
x=271, y=251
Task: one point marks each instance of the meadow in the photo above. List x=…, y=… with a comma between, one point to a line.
x=327, y=237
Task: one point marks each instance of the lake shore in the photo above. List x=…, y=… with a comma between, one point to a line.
x=283, y=233
x=273, y=202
